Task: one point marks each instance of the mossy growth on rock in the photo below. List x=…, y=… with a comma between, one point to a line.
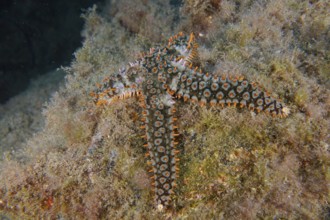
x=88, y=162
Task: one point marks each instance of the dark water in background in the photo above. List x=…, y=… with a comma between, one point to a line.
x=36, y=36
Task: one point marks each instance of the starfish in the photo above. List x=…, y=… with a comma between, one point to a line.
x=163, y=77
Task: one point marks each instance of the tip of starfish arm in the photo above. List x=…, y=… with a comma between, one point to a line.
x=285, y=111
x=160, y=207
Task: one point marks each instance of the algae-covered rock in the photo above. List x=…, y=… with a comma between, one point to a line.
x=88, y=162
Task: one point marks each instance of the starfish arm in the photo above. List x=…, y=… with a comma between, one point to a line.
x=191, y=83
x=160, y=134
x=214, y=90
x=124, y=84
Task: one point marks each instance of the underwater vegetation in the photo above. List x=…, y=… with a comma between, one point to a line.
x=161, y=77
x=88, y=162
